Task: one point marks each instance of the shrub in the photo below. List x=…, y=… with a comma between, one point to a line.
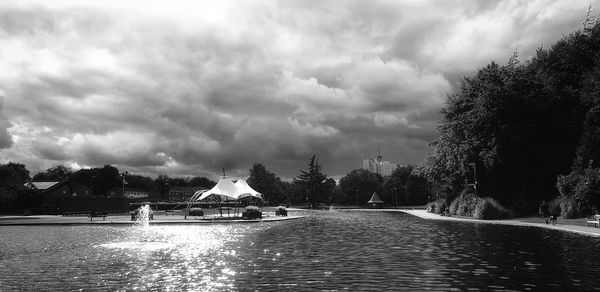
x=571, y=207
x=579, y=193
x=489, y=209
x=464, y=205
x=196, y=212
x=252, y=208
x=438, y=206
x=281, y=211
x=252, y=212
x=555, y=207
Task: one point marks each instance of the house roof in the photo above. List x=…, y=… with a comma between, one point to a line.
x=44, y=185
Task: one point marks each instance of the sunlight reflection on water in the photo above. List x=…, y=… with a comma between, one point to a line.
x=325, y=251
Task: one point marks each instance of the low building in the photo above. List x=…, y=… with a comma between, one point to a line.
x=63, y=197
x=136, y=193
x=52, y=188
x=182, y=194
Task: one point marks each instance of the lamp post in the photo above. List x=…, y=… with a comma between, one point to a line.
x=357, y=198
x=395, y=199
x=474, y=176
x=307, y=201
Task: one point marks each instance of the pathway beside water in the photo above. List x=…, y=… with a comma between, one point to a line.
x=581, y=228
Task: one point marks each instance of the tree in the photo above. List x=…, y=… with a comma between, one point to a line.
x=360, y=184
x=13, y=190
x=13, y=174
x=106, y=178
x=312, y=183
x=162, y=182
x=266, y=183
x=200, y=181
x=55, y=173
x=520, y=125
x=140, y=182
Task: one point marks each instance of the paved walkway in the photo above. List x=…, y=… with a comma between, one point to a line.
x=581, y=229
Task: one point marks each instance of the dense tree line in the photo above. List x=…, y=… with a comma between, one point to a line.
x=99, y=180
x=520, y=126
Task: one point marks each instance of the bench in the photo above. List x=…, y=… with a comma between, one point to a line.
x=98, y=214
x=594, y=221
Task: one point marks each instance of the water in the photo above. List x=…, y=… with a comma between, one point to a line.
x=142, y=214
x=326, y=251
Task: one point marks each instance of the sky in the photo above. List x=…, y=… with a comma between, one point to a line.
x=187, y=88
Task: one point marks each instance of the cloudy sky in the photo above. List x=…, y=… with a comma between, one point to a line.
x=189, y=87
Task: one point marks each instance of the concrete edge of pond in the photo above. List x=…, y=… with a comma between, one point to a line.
x=584, y=230
x=44, y=220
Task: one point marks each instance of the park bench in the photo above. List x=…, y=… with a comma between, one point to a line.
x=594, y=221
x=171, y=212
x=98, y=214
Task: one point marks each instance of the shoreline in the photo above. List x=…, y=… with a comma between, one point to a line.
x=57, y=220
x=579, y=229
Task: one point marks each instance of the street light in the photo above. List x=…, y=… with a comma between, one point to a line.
x=307, y=201
x=475, y=176
x=357, y=198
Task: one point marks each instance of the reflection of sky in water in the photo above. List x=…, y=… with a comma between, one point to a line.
x=325, y=251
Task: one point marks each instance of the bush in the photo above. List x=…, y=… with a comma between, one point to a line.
x=281, y=211
x=489, y=209
x=438, y=206
x=579, y=193
x=464, y=205
x=252, y=212
x=570, y=207
x=196, y=212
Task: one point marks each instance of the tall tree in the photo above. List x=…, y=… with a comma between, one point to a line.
x=13, y=174
x=313, y=183
x=518, y=126
x=200, y=181
x=266, y=183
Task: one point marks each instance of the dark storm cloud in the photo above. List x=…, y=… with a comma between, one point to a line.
x=169, y=88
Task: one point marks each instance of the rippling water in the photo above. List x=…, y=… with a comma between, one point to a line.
x=324, y=251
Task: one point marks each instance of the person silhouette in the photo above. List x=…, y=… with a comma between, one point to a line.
x=545, y=211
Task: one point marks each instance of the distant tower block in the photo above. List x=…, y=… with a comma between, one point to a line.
x=379, y=166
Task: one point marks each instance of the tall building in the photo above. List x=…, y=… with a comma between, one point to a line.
x=379, y=166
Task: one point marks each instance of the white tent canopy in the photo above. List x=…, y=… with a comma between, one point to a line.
x=226, y=190
x=244, y=190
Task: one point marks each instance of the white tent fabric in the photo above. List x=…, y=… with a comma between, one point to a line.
x=244, y=190
x=375, y=199
x=225, y=190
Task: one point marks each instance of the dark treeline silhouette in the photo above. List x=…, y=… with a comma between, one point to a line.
x=521, y=126
x=312, y=187
x=99, y=180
